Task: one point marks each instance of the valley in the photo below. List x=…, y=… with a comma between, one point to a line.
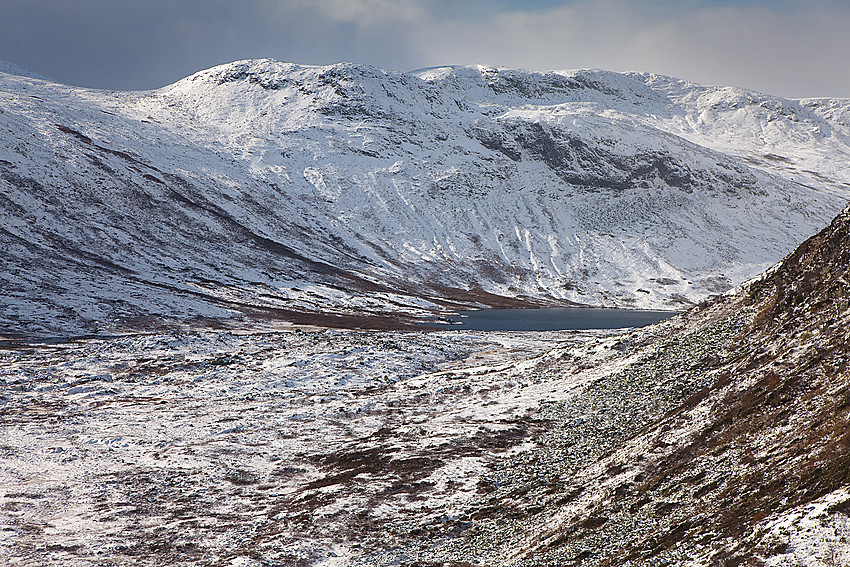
x=211, y=349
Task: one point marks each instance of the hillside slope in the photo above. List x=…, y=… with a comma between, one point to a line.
x=272, y=190
x=718, y=438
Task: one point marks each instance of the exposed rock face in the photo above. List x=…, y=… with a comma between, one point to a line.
x=262, y=189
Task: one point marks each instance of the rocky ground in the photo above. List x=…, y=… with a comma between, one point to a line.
x=720, y=437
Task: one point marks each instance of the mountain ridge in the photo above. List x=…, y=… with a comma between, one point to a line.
x=585, y=187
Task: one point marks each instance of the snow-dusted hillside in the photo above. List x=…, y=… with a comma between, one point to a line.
x=266, y=189
x=720, y=436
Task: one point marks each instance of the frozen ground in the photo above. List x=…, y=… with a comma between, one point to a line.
x=668, y=445
x=213, y=447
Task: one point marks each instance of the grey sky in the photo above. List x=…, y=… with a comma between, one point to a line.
x=781, y=47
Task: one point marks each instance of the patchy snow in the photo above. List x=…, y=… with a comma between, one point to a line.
x=259, y=195
x=327, y=447
x=815, y=534
x=201, y=442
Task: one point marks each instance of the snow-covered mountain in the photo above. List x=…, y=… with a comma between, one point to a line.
x=267, y=189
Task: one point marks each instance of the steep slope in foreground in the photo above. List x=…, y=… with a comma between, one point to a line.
x=727, y=443
x=266, y=189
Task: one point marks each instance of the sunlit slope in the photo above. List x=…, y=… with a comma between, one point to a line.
x=262, y=188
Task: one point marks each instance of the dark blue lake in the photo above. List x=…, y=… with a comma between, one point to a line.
x=553, y=319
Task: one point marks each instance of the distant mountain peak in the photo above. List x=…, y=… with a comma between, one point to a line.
x=12, y=69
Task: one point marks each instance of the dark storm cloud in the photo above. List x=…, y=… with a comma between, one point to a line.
x=132, y=44
x=777, y=46
x=102, y=43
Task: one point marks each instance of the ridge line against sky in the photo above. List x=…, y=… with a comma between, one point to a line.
x=780, y=47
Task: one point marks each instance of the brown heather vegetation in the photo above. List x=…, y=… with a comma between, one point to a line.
x=770, y=432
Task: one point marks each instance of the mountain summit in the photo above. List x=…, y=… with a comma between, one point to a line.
x=268, y=189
